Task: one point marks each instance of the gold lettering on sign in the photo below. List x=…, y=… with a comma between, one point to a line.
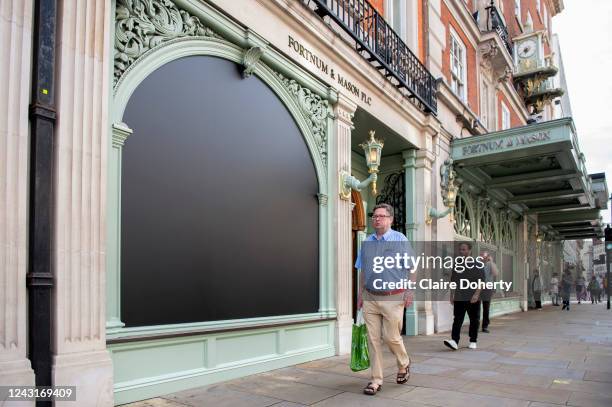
x=324, y=67
x=504, y=143
x=308, y=55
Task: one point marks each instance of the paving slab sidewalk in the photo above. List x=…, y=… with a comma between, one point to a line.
x=532, y=359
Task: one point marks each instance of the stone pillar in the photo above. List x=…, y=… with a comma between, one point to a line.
x=422, y=196
x=343, y=121
x=113, y=278
x=409, y=156
x=523, y=264
x=80, y=355
x=15, y=54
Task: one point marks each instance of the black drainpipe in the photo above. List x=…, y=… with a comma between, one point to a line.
x=42, y=125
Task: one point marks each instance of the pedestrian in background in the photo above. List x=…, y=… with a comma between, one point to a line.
x=566, y=289
x=536, y=288
x=601, y=288
x=465, y=300
x=491, y=272
x=554, y=289
x=580, y=288
x=594, y=289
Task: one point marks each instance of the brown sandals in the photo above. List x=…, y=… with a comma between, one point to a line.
x=370, y=390
x=403, y=377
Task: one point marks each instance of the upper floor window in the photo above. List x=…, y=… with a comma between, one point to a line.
x=517, y=9
x=397, y=16
x=545, y=16
x=458, y=66
x=505, y=117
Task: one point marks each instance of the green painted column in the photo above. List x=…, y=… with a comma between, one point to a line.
x=409, y=156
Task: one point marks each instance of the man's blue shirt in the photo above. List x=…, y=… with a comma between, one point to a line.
x=390, y=236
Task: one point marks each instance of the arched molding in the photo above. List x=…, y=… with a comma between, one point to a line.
x=300, y=93
x=310, y=111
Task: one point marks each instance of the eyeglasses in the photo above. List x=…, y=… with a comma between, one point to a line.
x=374, y=217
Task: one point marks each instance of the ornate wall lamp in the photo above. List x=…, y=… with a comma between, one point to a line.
x=449, y=187
x=373, y=151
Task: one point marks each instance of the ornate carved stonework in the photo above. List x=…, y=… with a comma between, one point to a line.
x=315, y=110
x=250, y=59
x=505, y=76
x=488, y=51
x=345, y=115
x=322, y=199
x=141, y=25
x=448, y=184
x=493, y=63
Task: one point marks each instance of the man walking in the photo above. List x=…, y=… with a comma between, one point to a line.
x=491, y=273
x=383, y=310
x=465, y=299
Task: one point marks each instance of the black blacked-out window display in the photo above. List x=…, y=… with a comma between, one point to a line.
x=219, y=215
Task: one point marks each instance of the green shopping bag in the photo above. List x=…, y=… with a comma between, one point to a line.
x=360, y=359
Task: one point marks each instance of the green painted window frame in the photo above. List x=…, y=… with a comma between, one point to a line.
x=285, y=78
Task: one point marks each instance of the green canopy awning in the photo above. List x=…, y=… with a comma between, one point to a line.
x=536, y=169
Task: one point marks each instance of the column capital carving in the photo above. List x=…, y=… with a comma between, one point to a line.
x=344, y=110
x=425, y=159
x=121, y=131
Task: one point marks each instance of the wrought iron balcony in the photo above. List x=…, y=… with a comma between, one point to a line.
x=495, y=23
x=376, y=41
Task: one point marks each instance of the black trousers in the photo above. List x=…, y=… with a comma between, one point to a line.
x=473, y=311
x=486, y=306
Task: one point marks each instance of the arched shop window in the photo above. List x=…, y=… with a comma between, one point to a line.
x=463, y=217
x=213, y=228
x=487, y=229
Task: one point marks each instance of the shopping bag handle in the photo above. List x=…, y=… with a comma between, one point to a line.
x=359, y=320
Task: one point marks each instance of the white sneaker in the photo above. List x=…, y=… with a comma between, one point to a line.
x=473, y=345
x=451, y=344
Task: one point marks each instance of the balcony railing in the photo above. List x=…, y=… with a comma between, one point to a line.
x=495, y=23
x=380, y=45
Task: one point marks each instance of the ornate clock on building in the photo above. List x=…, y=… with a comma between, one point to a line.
x=527, y=48
x=528, y=53
x=533, y=71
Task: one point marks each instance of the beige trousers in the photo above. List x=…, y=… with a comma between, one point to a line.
x=384, y=322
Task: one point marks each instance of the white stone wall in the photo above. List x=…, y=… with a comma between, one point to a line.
x=15, y=64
